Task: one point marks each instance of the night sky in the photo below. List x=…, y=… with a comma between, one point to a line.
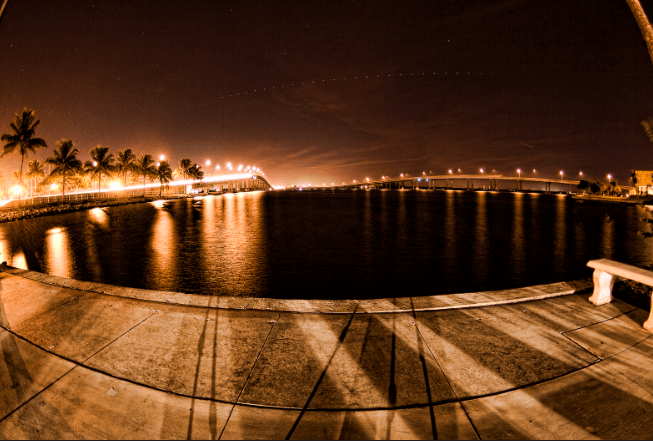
x=336, y=91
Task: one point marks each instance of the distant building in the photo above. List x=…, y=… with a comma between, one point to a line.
x=641, y=182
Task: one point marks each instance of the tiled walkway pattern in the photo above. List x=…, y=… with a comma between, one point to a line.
x=79, y=363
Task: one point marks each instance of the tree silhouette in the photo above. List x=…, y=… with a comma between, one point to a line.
x=22, y=139
x=164, y=175
x=126, y=162
x=35, y=171
x=145, y=167
x=102, y=164
x=65, y=162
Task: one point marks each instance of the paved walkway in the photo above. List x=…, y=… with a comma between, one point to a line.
x=85, y=360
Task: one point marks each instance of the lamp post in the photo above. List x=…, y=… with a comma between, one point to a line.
x=561, y=174
x=534, y=171
x=482, y=171
x=519, y=172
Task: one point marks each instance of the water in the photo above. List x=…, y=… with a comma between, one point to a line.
x=347, y=244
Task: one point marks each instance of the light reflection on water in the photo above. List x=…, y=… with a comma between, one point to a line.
x=358, y=244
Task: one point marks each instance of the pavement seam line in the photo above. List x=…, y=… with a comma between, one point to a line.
x=341, y=340
x=445, y=377
x=85, y=294
x=39, y=392
x=248, y=376
x=429, y=397
x=83, y=363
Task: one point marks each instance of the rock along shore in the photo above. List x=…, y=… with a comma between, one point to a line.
x=28, y=212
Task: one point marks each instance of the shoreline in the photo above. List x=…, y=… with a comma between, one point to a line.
x=15, y=214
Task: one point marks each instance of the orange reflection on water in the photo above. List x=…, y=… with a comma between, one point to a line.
x=162, y=261
x=232, y=243
x=57, y=250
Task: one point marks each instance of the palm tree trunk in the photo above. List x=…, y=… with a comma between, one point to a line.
x=63, y=188
x=99, y=183
x=643, y=23
x=143, y=185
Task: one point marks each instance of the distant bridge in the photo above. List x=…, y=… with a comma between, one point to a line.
x=224, y=183
x=468, y=182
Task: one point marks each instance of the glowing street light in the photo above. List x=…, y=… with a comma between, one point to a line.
x=94, y=163
x=16, y=190
x=609, y=178
x=217, y=167
x=580, y=174
x=450, y=171
x=561, y=174
x=482, y=171
x=519, y=172
x=534, y=171
x=162, y=157
x=240, y=167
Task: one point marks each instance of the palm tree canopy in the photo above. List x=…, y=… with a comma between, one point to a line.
x=195, y=172
x=164, y=173
x=185, y=166
x=65, y=160
x=35, y=169
x=102, y=163
x=22, y=138
x=145, y=166
x=125, y=162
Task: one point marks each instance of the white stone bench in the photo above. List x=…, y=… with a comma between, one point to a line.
x=604, y=272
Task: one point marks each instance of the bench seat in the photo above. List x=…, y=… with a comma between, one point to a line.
x=605, y=271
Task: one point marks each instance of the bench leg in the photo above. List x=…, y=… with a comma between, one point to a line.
x=603, y=283
x=648, y=324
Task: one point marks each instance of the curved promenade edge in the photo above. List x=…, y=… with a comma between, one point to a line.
x=88, y=360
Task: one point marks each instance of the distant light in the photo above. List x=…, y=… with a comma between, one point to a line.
x=162, y=157
x=158, y=164
x=240, y=167
x=54, y=187
x=16, y=189
x=208, y=162
x=609, y=178
x=450, y=171
x=94, y=163
x=217, y=167
x=114, y=185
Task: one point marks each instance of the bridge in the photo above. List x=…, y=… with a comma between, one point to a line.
x=230, y=183
x=468, y=182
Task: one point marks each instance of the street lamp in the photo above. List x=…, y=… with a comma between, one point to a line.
x=561, y=174
x=482, y=172
x=162, y=157
x=519, y=172
x=609, y=178
x=534, y=171
x=580, y=174
x=450, y=171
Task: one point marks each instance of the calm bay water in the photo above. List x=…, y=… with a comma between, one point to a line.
x=347, y=244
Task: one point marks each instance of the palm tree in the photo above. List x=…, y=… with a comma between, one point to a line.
x=145, y=167
x=103, y=163
x=126, y=162
x=185, y=166
x=195, y=172
x=35, y=171
x=643, y=23
x=22, y=138
x=164, y=174
x=65, y=162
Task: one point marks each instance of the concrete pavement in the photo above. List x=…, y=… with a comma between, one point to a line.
x=86, y=360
